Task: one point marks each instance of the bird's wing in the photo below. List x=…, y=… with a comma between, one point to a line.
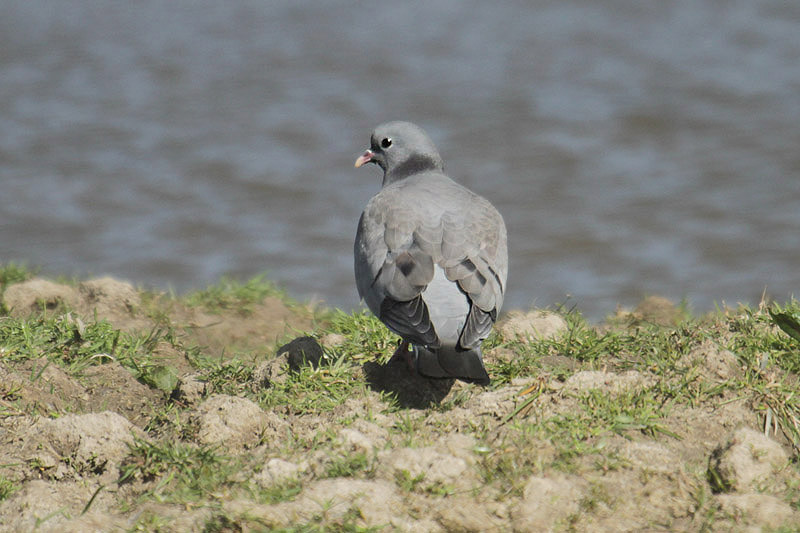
x=392, y=270
x=474, y=255
x=402, y=236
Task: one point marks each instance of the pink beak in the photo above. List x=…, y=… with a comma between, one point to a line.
x=366, y=158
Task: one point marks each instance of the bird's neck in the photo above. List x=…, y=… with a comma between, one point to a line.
x=413, y=165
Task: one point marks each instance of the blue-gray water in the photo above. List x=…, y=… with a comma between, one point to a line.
x=633, y=147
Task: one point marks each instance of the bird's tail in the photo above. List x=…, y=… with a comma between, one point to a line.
x=448, y=362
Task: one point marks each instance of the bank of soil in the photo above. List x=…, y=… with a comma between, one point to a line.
x=98, y=446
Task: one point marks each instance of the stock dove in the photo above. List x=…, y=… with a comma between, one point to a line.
x=431, y=257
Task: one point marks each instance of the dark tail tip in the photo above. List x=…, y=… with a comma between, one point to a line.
x=450, y=363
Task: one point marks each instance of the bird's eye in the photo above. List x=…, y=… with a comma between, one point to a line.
x=386, y=142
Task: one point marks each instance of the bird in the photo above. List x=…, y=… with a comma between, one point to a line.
x=431, y=257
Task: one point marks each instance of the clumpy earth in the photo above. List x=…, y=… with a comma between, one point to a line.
x=127, y=410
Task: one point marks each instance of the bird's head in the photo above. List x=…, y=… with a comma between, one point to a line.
x=401, y=149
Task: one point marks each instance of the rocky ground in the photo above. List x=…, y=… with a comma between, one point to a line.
x=125, y=410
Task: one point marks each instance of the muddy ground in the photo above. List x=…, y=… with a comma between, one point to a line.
x=92, y=446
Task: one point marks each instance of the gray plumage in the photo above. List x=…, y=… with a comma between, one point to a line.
x=430, y=255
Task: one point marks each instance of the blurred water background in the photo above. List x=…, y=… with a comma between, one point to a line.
x=634, y=148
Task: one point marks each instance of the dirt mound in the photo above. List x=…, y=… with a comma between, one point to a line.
x=127, y=410
x=30, y=296
x=78, y=445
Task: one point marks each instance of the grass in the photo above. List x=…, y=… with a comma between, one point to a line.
x=406, y=482
x=280, y=492
x=231, y=294
x=365, y=337
x=355, y=464
x=179, y=472
x=577, y=434
x=546, y=428
x=231, y=376
x=314, y=390
x=766, y=336
x=74, y=345
x=754, y=336
x=770, y=359
x=7, y=488
x=11, y=273
x=628, y=411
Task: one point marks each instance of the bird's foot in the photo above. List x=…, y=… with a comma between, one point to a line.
x=402, y=353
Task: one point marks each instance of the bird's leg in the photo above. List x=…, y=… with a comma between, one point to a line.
x=400, y=352
x=403, y=353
